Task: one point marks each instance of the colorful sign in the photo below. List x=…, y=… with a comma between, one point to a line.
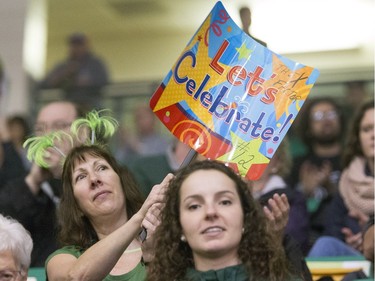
x=230, y=98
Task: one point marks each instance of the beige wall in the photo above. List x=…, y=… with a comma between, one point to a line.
x=150, y=57
x=139, y=47
x=148, y=49
x=12, y=19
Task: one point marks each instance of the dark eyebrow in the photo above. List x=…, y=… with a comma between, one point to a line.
x=218, y=194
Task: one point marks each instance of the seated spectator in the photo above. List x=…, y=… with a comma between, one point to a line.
x=368, y=240
x=316, y=174
x=273, y=182
x=212, y=229
x=33, y=199
x=339, y=247
x=15, y=250
x=355, y=95
x=146, y=141
x=150, y=170
x=14, y=163
x=354, y=203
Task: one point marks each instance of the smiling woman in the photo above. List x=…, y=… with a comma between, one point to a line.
x=213, y=229
x=101, y=213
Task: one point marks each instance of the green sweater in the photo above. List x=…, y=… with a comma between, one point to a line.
x=231, y=273
x=136, y=274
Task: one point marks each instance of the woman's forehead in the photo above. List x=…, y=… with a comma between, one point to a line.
x=207, y=181
x=85, y=157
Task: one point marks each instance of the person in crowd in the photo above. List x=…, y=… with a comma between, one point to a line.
x=368, y=252
x=33, y=199
x=1, y=154
x=14, y=163
x=353, y=205
x=146, y=141
x=101, y=214
x=150, y=170
x=81, y=75
x=2, y=82
x=273, y=182
x=245, y=15
x=317, y=173
x=15, y=250
x=368, y=240
x=211, y=228
x=355, y=95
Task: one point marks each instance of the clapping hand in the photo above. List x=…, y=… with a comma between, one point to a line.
x=277, y=212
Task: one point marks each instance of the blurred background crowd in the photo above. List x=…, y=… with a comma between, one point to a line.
x=113, y=54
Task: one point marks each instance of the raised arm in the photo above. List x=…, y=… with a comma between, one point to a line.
x=98, y=261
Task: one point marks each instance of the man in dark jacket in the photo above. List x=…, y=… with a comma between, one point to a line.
x=32, y=200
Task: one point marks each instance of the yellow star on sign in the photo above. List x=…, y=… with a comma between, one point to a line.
x=291, y=85
x=244, y=53
x=244, y=154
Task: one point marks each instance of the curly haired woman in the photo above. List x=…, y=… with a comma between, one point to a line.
x=213, y=229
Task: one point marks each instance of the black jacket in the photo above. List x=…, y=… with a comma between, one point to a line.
x=36, y=213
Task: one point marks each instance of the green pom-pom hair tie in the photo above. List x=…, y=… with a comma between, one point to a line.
x=37, y=146
x=101, y=127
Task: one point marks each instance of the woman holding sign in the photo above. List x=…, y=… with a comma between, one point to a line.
x=213, y=229
x=101, y=216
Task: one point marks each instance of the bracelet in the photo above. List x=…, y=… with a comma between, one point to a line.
x=143, y=234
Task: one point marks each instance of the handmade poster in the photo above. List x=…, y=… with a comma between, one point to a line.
x=230, y=98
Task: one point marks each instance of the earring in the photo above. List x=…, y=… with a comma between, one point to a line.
x=183, y=238
x=243, y=230
x=274, y=170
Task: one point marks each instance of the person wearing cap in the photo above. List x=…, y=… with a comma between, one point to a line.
x=81, y=75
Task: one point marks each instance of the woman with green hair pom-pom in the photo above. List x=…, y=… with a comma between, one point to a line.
x=101, y=215
x=100, y=212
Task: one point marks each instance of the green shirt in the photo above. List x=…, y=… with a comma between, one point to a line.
x=136, y=274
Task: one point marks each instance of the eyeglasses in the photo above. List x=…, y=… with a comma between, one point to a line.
x=327, y=115
x=9, y=275
x=42, y=128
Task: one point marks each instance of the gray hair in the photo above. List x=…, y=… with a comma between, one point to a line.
x=15, y=238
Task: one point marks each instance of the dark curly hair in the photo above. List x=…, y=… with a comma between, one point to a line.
x=260, y=252
x=75, y=228
x=303, y=120
x=353, y=145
